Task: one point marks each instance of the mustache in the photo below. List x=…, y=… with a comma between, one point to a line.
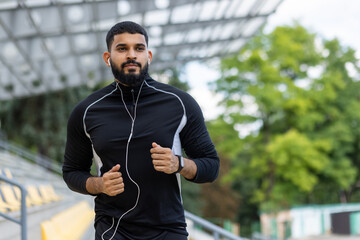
x=130, y=62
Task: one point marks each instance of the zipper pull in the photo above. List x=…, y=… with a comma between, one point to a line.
x=134, y=104
x=133, y=96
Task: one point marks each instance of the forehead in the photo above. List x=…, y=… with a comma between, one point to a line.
x=129, y=39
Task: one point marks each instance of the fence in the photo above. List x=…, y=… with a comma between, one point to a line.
x=22, y=221
x=40, y=160
x=217, y=231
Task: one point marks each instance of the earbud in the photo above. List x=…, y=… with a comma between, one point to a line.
x=109, y=62
x=148, y=60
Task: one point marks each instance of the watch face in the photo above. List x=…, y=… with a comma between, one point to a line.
x=181, y=161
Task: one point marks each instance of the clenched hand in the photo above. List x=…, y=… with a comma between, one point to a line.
x=164, y=159
x=112, y=181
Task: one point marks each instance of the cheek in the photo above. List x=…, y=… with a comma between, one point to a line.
x=143, y=62
x=117, y=57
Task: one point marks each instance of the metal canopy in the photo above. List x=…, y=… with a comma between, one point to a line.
x=48, y=45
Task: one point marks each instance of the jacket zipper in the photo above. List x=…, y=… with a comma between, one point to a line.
x=133, y=101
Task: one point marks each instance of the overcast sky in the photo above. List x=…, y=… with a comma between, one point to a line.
x=326, y=18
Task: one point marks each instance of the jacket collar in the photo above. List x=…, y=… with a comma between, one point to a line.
x=130, y=92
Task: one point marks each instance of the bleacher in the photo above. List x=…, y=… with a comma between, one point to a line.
x=49, y=203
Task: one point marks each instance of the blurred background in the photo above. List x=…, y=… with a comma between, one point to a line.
x=278, y=82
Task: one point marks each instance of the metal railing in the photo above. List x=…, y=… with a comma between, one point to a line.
x=22, y=222
x=259, y=236
x=38, y=159
x=217, y=231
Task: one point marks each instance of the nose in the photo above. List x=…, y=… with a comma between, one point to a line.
x=131, y=54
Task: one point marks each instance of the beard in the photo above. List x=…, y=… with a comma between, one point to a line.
x=130, y=79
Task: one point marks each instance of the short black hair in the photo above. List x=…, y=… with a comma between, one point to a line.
x=125, y=27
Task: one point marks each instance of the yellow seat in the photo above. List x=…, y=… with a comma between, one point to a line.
x=9, y=196
x=8, y=173
x=18, y=196
x=4, y=207
x=53, y=193
x=48, y=193
x=70, y=224
x=48, y=231
x=34, y=196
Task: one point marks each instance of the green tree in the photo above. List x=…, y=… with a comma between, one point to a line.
x=175, y=80
x=300, y=93
x=220, y=201
x=39, y=122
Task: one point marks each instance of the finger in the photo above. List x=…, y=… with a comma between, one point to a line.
x=118, y=191
x=155, y=147
x=112, y=175
x=118, y=188
x=159, y=150
x=115, y=168
x=114, y=182
x=159, y=168
x=118, y=185
x=163, y=169
x=160, y=163
x=115, y=191
x=158, y=156
x=112, y=186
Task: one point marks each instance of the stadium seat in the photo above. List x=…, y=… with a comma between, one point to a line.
x=18, y=196
x=70, y=224
x=7, y=173
x=53, y=193
x=9, y=197
x=34, y=196
x=48, y=193
x=49, y=232
x=5, y=207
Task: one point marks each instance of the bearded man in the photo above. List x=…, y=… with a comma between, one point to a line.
x=135, y=131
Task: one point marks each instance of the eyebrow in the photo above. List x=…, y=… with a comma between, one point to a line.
x=124, y=44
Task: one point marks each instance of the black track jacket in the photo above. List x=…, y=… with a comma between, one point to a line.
x=116, y=125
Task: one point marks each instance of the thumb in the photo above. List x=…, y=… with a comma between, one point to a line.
x=154, y=145
x=115, y=168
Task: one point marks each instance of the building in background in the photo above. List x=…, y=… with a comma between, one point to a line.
x=312, y=220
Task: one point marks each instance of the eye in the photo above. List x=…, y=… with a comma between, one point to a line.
x=121, y=48
x=140, y=48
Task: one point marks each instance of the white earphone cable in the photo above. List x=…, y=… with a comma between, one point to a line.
x=126, y=159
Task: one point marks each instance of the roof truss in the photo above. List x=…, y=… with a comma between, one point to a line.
x=48, y=45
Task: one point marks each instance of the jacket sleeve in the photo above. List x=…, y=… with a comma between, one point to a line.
x=197, y=144
x=78, y=153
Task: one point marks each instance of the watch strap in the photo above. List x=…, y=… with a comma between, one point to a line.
x=181, y=163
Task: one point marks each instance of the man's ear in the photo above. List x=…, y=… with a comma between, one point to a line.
x=149, y=56
x=106, y=57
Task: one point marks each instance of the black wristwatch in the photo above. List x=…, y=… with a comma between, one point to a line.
x=181, y=163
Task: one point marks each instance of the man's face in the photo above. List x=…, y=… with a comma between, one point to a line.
x=129, y=58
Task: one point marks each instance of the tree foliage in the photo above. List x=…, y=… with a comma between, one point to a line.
x=302, y=94
x=39, y=122
x=219, y=198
